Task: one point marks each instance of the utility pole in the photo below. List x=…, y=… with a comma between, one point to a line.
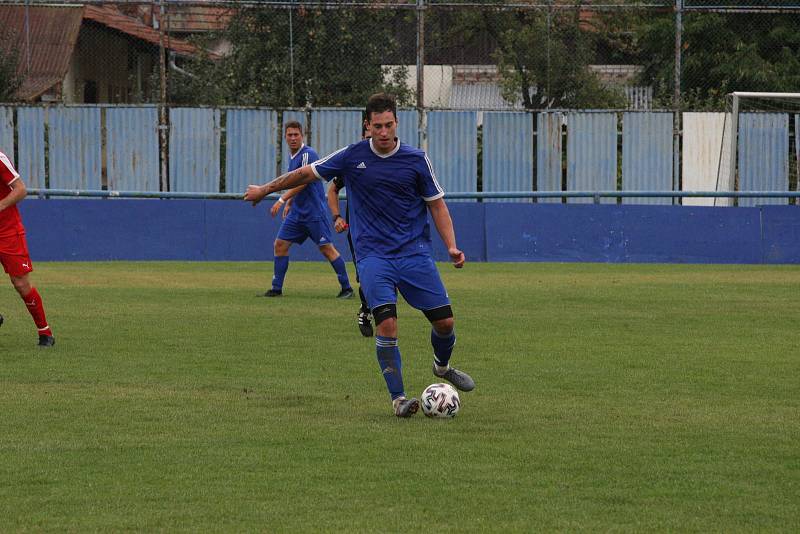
x=676, y=99
x=421, y=70
x=162, y=98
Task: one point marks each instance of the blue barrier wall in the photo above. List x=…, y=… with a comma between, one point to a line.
x=196, y=230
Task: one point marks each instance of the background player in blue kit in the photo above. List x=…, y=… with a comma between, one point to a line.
x=307, y=218
x=391, y=186
x=341, y=224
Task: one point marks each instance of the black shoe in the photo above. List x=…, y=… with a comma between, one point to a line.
x=345, y=293
x=1, y=320
x=46, y=341
x=364, y=324
x=274, y=293
x=405, y=407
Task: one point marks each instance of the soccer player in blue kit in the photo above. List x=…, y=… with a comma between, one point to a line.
x=306, y=219
x=391, y=186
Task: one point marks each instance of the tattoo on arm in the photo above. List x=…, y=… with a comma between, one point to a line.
x=289, y=180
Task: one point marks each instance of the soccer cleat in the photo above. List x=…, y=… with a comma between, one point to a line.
x=46, y=341
x=274, y=293
x=1, y=320
x=345, y=293
x=405, y=407
x=459, y=379
x=364, y=324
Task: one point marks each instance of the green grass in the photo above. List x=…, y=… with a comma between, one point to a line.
x=609, y=398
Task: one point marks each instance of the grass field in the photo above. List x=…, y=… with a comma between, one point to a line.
x=609, y=397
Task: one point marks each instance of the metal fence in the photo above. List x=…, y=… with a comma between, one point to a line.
x=550, y=156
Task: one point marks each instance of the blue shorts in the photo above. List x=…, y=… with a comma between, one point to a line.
x=298, y=231
x=416, y=277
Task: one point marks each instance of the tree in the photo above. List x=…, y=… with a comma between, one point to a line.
x=542, y=57
x=10, y=81
x=335, y=59
x=722, y=53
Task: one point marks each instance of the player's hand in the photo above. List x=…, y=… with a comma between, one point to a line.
x=286, y=208
x=273, y=211
x=457, y=257
x=340, y=225
x=255, y=194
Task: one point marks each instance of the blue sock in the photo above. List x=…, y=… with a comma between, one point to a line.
x=341, y=272
x=281, y=266
x=442, y=346
x=391, y=366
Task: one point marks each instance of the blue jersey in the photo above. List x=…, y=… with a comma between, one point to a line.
x=387, y=194
x=309, y=204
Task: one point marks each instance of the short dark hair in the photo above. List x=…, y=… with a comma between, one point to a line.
x=293, y=124
x=380, y=102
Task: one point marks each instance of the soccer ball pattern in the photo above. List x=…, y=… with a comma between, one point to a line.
x=440, y=400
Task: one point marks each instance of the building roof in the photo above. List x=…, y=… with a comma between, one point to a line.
x=197, y=18
x=53, y=34
x=480, y=95
x=113, y=18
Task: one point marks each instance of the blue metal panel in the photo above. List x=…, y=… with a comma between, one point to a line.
x=597, y=233
x=507, y=152
x=549, y=154
x=591, y=154
x=647, y=155
x=408, y=126
x=453, y=149
x=84, y=230
x=132, y=149
x=251, y=151
x=333, y=129
x=288, y=116
x=780, y=233
x=75, y=148
x=30, y=129
x=194, y=139
x=763, y=155
x=7, y=132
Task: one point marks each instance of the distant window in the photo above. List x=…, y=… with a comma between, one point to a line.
x=90, y=92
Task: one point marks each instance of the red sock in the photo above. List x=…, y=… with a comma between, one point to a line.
x=36, y=308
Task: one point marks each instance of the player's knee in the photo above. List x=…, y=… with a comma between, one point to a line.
x=329, y=251
x=281, y=247
x=385, y=312
x=22, y=284
x=387, y=327
x=443, y=326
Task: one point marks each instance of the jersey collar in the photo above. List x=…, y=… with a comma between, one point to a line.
x=298, y=151
x=390, y=154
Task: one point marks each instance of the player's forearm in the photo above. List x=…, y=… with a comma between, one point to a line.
x=303, y=175
x=332, y=196
x=293, y=192
x=18, y=192
x=444, y=223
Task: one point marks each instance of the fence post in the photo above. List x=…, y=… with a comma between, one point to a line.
x=676, y=100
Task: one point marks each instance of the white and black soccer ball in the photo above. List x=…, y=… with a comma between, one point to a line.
x=440, y=400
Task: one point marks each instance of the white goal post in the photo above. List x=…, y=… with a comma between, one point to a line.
x=736, y=100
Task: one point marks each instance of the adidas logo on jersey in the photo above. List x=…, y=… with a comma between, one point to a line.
x=361, y=166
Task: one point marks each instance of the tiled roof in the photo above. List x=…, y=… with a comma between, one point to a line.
x=111, y=17
x=53, y=34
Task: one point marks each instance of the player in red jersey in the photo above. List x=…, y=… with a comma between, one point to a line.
x=14, y=250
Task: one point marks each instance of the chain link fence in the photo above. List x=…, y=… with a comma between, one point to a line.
x=661, y=54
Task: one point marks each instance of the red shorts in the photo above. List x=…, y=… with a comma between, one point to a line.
x=14, y=255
